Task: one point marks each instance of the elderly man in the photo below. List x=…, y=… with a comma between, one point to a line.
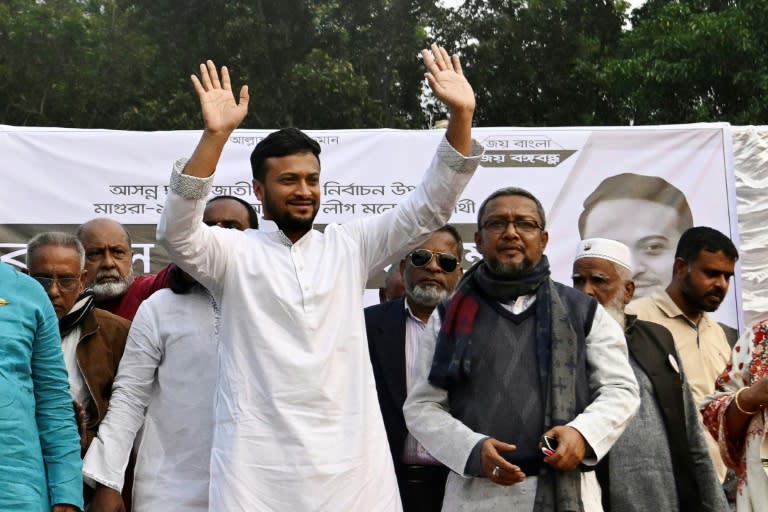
x=704, y=264
x=92, y=339
x=430, y=274
x=660, y=214
x=166, y=385
x=297, y=424
x=109, y=268
x=39, y=446
x=664, y=443
x=516, y=364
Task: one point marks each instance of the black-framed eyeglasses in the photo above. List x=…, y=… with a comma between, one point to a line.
x=66, y=284
x=498, y=226
x=422, y=257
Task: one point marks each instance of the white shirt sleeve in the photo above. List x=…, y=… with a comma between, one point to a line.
x=198, y=249
x=614, y=391
x=426, y=410
x=612, y=384
x=390, y=235
x=107, y=457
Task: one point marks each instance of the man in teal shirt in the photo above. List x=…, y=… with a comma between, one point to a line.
x=40, y=462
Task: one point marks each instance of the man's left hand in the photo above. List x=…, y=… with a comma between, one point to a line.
x=65, y=508
x=571, y=448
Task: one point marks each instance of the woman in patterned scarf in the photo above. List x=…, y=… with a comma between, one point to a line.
x=736, y=416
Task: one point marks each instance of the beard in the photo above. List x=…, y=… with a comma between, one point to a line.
x=284, y=220
x=510, y=270
x=686, y=290
x=615, y=308
x=429, y=295
x=111, y=289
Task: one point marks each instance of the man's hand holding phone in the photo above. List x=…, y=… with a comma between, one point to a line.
x=548, y=445
x=567, y=446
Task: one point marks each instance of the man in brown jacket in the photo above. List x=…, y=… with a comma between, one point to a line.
x=93, y=340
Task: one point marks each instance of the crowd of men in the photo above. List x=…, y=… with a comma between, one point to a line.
x=247, y=375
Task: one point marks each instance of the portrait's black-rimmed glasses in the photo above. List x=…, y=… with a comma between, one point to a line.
x=66, y=284
x=422, y=257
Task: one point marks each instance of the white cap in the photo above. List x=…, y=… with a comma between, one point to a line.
x=606, y=249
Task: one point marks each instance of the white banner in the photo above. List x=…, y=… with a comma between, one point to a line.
x=59, y=178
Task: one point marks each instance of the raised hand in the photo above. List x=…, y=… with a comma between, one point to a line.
x=221, y=112
x=446, y=79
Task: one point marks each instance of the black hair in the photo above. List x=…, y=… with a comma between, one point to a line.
x=456, y=236
x=284, y=142
x=703, y=238
x=511, y=191
x=253, y=217
x=637, y=186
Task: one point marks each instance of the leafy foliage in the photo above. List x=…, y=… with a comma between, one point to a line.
x=125, y=64
x=692, y=61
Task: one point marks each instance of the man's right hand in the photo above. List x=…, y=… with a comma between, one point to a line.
x=491, y=459
x=106, y=499
x=221, y=113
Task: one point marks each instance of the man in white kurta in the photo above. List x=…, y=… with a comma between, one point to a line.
x=297, y=424
x=165, y=387
x=166, y=383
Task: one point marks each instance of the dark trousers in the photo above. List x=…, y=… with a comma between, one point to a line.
x=421, y=487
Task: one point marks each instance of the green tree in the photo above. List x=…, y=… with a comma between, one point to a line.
x=537, y=62
x=69, y=63
x=311, y=63
x=693, y=60
x=126, y=63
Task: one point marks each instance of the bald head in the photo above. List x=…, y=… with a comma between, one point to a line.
x=108, y=257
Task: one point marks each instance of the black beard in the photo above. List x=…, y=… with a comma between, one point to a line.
x=287, y=222
x=686, y=290
x=510, y=270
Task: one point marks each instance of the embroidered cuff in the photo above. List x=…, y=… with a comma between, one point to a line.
x=189, y=187
x=455, y=160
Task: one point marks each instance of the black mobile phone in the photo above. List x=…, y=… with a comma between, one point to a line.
x=548, y=445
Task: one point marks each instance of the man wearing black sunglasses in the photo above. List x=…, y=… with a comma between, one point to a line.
x=430, y=274
x=514, y=357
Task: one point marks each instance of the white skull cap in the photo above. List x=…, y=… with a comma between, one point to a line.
x=606, y=249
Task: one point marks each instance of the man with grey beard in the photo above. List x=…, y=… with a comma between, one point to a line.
x=429, y=274
x=664, y=443
x=109, y=268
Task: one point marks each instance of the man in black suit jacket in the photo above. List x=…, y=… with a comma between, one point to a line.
x=430, y=273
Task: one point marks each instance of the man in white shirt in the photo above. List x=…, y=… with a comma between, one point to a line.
x=166, y=384
x=297, y=426
x=516, y=364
